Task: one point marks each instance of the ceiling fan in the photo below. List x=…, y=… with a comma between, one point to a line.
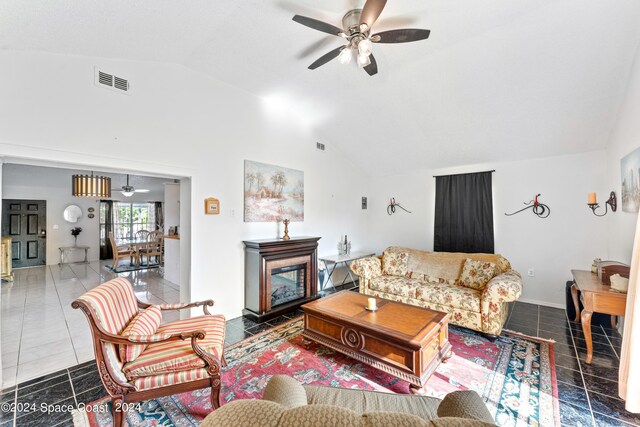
x=357, y=24
x=128, y=190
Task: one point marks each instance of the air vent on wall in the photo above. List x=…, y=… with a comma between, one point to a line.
x=320, y=146
x=109, y=81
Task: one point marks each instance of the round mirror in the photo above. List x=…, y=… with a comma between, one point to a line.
x=72, y=213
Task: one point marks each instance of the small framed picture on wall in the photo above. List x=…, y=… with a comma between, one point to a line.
x=211, y=206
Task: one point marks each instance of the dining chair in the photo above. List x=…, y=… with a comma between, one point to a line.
x=141, y=235
x=139, y=358
x=153, y=248
x=121, y=251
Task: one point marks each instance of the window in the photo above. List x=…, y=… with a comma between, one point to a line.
x=128, y=218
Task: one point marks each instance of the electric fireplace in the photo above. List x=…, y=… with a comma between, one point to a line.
x=280, y=276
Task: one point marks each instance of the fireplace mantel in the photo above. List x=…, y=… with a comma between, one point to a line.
x=265, y=257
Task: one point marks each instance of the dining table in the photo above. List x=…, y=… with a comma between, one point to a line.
x=135, y=244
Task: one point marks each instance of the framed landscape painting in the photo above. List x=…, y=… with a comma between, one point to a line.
x=630, y=169
x=272, y=193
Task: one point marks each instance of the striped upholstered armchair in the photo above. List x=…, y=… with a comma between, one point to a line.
x=139, y=359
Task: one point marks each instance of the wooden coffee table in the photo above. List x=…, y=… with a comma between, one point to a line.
x=403, y=340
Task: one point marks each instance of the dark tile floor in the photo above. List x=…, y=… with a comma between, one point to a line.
x=587, y=393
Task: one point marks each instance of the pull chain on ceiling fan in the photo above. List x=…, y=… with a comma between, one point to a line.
x=357, y=24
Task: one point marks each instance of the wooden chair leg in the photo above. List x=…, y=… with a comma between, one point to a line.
x=215, y=393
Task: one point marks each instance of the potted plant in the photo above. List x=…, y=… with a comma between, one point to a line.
x=75, y=231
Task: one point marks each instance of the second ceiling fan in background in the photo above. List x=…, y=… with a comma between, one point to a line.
x=128, y=190
x=358, y=24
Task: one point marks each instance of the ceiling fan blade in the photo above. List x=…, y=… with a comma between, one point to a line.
x=141, y=190
x=370, y=13
x=372, y=68
x=318, y=25
x=404, y=35
x=326, y=58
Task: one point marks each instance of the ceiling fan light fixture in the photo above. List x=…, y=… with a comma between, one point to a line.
x=345, y=55
x=363, y=60
x=365, y=47
x=127, y=191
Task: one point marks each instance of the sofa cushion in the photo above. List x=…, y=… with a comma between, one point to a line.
x=262, y=413
x=396, y=285
x=144, y=323
x=178, y=355
x=476, y=274
x=440, y=280
x=446, y=265
x=450, y=296
x=169, y=378
x=362, y=401
x=395, y=264
x=240, y=412
x=320, y=415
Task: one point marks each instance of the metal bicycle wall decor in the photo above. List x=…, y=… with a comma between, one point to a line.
x=539, y=209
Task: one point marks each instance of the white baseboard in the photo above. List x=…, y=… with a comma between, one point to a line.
x=544, y=303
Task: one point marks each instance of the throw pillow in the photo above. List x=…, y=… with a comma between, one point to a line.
x=476, y=274
x=144, y=323
x=395, y=264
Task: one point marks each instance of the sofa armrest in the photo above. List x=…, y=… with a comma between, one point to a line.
x=464, y=404
x=505, y=287
x=367, y=268
x=286, y=391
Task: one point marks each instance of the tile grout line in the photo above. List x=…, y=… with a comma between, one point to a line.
x=24, y=310
x=611, y=344
x=15, y=399
x=586, y=393
x=73, y=389
x=55, y=285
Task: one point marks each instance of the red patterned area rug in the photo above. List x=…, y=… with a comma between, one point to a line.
x=514, y=374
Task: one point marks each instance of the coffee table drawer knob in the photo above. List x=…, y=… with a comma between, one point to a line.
x=351, y=338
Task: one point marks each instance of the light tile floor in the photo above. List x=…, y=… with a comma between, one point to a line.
x=42, y=333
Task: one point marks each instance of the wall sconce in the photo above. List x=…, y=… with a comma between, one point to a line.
x=593, y=204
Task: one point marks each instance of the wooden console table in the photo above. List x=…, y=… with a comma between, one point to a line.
x=596, y=297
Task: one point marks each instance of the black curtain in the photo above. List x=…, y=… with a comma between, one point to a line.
x=106, y=206
x=464, y=213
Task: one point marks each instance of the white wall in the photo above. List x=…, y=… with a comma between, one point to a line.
x=54, y=186
x=171, y=219
x=624, y=139
x=180, y=123
x=568, y=239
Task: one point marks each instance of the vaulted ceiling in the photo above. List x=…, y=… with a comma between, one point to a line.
x=497, y=80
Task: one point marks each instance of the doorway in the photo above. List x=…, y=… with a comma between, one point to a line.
x=25, y=221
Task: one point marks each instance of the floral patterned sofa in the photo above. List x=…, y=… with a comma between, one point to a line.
x=474, y=288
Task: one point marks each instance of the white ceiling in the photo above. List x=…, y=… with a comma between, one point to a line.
x=497, y=80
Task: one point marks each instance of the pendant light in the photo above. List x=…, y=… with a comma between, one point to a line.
x=91, y=186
